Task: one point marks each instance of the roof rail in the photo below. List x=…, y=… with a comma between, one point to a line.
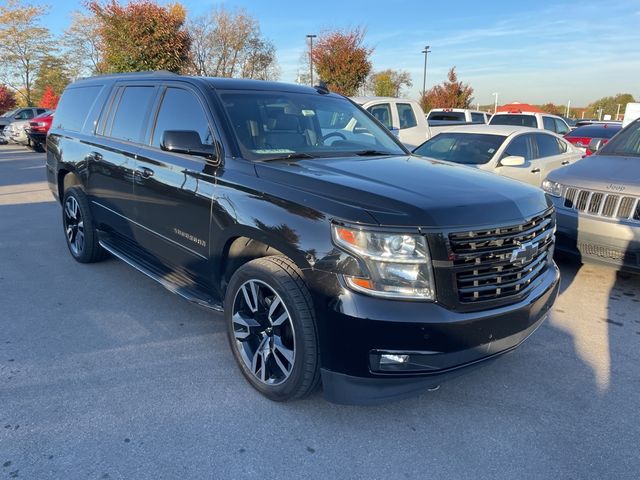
x=130, y=74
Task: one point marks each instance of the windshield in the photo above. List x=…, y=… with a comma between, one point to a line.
x=271, y=125
x=465, y=148
x=626, y=143
x=510, y=119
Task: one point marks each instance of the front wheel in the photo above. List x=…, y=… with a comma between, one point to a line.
x=271, y=328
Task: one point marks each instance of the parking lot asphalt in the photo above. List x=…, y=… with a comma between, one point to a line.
x=104, y=374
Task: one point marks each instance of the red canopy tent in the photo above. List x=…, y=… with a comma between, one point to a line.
x=515, y=106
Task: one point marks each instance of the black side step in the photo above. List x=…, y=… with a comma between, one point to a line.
x=171, y=280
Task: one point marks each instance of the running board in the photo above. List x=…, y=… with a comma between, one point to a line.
x=191, y=294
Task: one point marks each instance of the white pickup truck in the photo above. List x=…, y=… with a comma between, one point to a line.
x=459, y=115
x=404, y=117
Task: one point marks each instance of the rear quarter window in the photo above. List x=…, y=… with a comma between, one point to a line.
x=74, y=107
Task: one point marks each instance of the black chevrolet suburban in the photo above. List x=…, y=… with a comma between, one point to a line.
x=335, y=255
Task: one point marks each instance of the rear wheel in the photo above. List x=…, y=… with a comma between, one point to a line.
x=82, y=238
x=271, y=328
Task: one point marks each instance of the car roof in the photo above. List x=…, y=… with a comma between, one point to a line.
x=217, y=83
x=504, y=130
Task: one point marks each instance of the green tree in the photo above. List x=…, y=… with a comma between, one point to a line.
x=609, y=105
x=142, y=36
x=452, y=93
x=342, y=60
x=553, y=109
x=388, y=83
x=82, y=45
x=53, y=74
x=23, y=43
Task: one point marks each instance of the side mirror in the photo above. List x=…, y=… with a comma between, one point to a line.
x=595, y=144
x=188, y=142
x=512, y=161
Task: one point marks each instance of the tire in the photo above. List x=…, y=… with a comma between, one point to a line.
x=37, y=146
x=271, y=328
x=80, y=232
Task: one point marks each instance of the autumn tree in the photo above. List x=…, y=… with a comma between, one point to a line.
x=342, y=60
x=49, y=99
x=141, y=36
x=82, y=46
x=23, y=43
x=452, y=93
x=553, y=109
x=228, y=43
x=52, y=74
x=7, y=99
x=388, y=83
x=609, y=105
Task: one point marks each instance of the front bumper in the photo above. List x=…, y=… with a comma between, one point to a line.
x=355, y=327
x=600, y=239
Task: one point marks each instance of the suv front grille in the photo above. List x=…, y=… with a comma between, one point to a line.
x=609, y=205
x=502, y=262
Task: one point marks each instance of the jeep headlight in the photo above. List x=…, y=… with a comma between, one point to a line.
x=554, y=189
x=399, y=264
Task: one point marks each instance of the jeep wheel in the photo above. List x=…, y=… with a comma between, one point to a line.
x=82, y=238
x=271, y=328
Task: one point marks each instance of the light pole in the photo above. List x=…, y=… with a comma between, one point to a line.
x=495, y=102
x=568, y=109
x=311, y=37
x=618, y=112
x=426, y=52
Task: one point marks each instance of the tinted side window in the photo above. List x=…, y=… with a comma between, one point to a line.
x=517, y=119
x=25, y=115
x=40, y=111
x=181, y=110
x=549, y=124
x=477, y=117
x=407, y=118
x=561, y=127
x=547, y=145
x=129, y=118
x=519, y=146
x=382, y=112
x=74, y=107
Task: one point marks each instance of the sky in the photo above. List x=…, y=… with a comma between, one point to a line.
x=535, y=52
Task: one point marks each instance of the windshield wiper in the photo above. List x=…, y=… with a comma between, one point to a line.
x=291, y=156
x=372, y=153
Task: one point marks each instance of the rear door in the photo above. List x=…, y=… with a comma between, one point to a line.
x=410, y=132
x=173, y=191
x=551, y=153
x=111, y=159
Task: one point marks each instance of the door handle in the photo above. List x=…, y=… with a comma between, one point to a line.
x=566, y=162
x=94, y=156
x=145, y=172
x=535, y=170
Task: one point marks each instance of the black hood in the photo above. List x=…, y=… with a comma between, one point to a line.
x=411, y=191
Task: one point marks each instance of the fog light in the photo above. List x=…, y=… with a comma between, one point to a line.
x=391, y=359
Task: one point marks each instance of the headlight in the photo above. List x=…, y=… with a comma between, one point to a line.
x=553, y=188
x=399, y=264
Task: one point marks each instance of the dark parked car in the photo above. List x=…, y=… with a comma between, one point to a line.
x=598, y=203
x=582, y=136
x=334, y=257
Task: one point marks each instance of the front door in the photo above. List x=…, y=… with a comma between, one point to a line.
x=173, y=191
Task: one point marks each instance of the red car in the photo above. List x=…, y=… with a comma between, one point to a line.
x=582, y=136
x=38, y=129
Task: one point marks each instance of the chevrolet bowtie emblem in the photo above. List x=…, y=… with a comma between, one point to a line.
x=524, y=253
